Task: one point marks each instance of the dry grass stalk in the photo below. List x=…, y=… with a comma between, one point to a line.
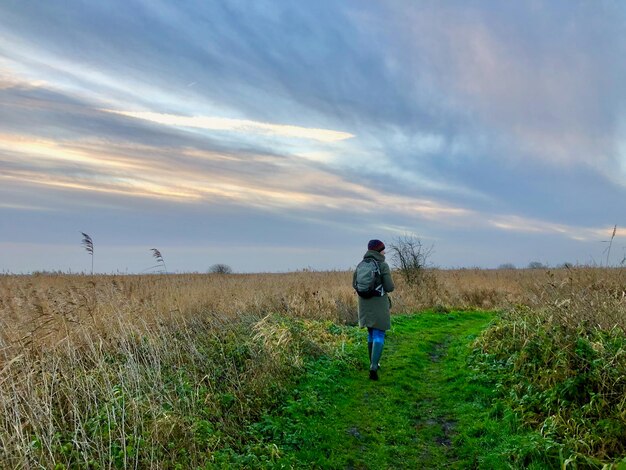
x=110, y=367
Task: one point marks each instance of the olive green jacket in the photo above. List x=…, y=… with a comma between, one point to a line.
x=374, y=312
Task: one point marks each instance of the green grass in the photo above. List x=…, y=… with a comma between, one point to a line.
x=568, y=382
x=429, y=409
x=292, y=393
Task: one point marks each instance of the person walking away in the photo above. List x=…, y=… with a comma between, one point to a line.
x=372, y=282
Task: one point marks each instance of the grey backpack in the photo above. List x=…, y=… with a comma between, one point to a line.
x=368, y=281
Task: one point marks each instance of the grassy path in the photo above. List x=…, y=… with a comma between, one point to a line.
x=425, y=412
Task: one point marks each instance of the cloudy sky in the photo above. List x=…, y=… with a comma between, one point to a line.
x=280, y=135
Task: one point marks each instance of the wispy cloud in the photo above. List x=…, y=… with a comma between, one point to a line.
x=9, y=79
x=446, y=119
x=95, y=167
x=524, y=81
x=22, y=207
x=238, y=125
x=24, y=148
x=514, y=223
x=144, y=171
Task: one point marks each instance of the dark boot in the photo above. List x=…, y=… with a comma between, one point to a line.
x=377, y=351
x=369, y=349
x=373, y=375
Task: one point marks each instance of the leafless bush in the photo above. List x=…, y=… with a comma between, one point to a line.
x=507, y=266
x=410, y=257
x=220, y=268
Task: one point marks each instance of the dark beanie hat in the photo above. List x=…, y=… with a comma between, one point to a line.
x=376, y=245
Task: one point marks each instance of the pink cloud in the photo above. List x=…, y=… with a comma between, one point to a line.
x=535, y=90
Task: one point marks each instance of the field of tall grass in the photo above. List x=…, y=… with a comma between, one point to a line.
x=559, y=363
x=165, y=370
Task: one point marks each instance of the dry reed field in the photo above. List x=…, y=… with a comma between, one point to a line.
x=143, y=371
x=40, y=311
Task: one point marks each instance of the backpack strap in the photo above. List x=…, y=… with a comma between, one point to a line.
x=380, y=288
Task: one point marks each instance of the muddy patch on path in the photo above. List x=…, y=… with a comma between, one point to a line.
x=447, y=428
x=441, y=428
x=439, y=351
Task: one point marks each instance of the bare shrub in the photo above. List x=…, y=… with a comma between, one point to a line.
x=507, y=266
x=410, y=257
x=220, y=268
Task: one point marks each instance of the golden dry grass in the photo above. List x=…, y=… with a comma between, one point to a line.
x=115, y=367
x=42, y=311
x=94, y=367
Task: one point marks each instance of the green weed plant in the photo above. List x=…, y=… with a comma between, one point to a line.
x=176, y=398
x=561, y=368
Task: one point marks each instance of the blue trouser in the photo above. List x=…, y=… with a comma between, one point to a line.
x=375, y=336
